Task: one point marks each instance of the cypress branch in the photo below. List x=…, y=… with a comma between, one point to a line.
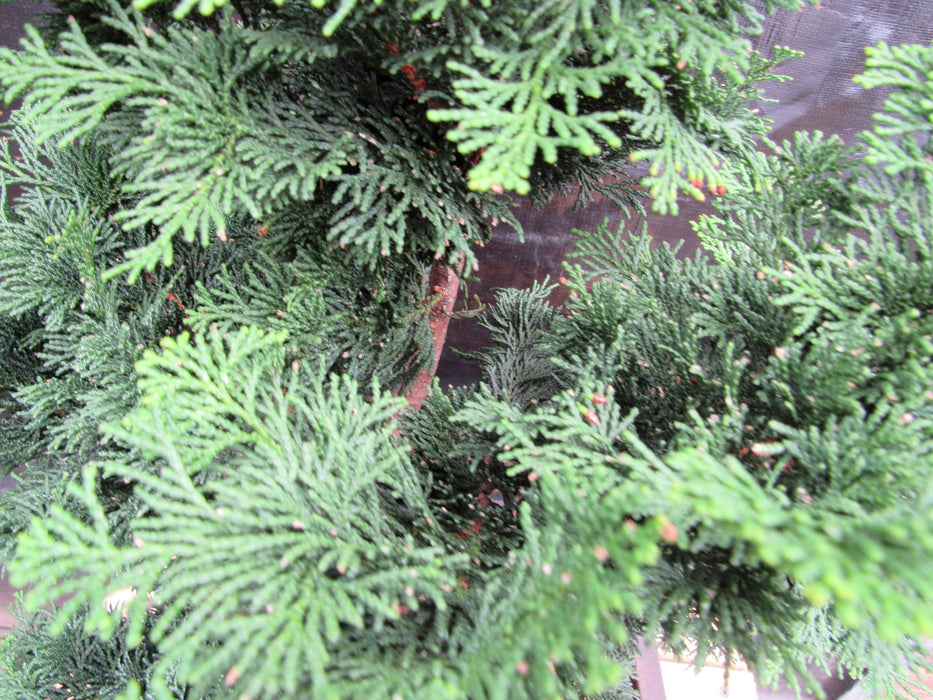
x=198, y=392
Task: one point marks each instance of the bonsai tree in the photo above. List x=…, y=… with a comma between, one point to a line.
x=216, y=289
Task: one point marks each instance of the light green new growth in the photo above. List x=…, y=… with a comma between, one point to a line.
x=283, y=531
x=261, y=114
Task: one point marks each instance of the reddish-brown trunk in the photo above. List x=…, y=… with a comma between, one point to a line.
x=442, y=286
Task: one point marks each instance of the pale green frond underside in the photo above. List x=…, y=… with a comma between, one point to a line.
x=254, y=454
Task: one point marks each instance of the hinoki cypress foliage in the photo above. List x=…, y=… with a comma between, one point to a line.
x=213, y=292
